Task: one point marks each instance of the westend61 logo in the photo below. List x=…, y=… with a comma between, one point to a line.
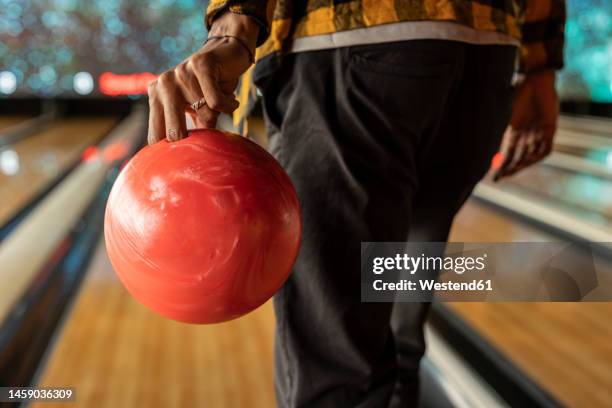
x=411, y=264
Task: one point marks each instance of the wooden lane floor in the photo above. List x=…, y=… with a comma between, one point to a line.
x=116, y=353
x=38, y=159
x=564, y=347
x=7, y=121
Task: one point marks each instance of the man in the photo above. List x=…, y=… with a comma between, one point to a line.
x=385, y=114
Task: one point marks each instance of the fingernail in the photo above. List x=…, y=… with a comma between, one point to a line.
x=172, y=134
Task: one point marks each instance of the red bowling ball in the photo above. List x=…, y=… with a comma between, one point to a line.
x=203, y=230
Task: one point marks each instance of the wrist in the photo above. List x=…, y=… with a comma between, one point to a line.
x=545, y=75
x=236, y=25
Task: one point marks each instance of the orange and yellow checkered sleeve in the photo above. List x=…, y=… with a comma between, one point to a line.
x=542, y=35
x=257, y=9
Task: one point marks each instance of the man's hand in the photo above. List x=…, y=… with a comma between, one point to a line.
x=529, y=137
x=211, y=73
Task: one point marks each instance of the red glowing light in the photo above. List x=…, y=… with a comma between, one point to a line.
x=89, y=154
x=497, y=161
x=115, y=151
x=131, y=84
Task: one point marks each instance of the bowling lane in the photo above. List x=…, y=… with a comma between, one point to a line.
x=583, y=144
x=583, y=195
x=598, y=153
x=109, y=342
x=31, y=164
x=600, y=126
x=7, y=121
x=563, y=347
x=117, y=353
x=582, y=155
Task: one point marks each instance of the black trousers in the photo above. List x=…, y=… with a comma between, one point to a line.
x=383, y=143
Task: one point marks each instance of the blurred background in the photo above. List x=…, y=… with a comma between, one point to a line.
x=73, y=78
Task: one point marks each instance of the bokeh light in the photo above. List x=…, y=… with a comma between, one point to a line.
x=588, y=52
x=9, y=162
x=140, y=36
x=8, y=82
x=83, y=83
x=47, y=45
x=609, y=159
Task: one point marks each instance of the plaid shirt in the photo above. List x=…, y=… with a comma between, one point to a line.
x=538, y=24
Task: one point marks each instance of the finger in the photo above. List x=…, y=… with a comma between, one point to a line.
x=543, y=149
x=229, y=87
x=507, y=150
x=173, y=103
x=532, y=144
x=208, y=78
x=516, y=154
x=157, y=127
x=548, y=138
x=204, y=117
x=187, y=83
x=520, y=152
x=211, y=120
x=537, y=154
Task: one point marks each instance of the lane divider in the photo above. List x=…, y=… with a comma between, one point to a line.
x=479, y=374
x=28, y=332
x=578, y=164
x=21, y=130
x=586, y=124
x=462, y=386
x=581, y=140
x=28, y=248
x=542, y=212
x=9, y=225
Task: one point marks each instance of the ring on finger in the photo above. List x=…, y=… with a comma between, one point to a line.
x=198, y=104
